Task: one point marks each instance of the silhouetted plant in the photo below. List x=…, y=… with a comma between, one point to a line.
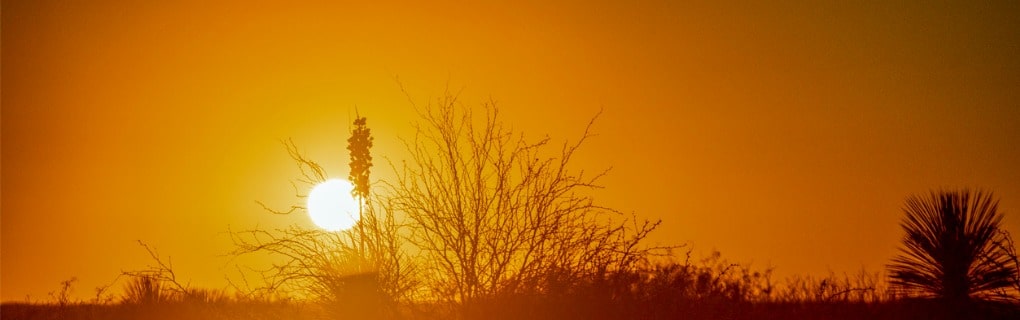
x=147, y=289
x=162, y=273
x=358, y=272
x=493, y=212
x=1004, y=242
x=327, y=267
x=949, y=248
x=862, y=287
x=361, y=159
x=358, y=146
x=63, y=296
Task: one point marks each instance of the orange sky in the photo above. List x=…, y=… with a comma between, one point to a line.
x=780, y=135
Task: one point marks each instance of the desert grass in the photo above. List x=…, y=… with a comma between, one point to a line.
x=709, y=288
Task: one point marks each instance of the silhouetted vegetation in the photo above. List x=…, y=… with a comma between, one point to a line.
x=146, y=289
x=953, y=249
x=359, y=145
x=362, y=272
x=708, y=288
x=492, y=213
x=483, y=223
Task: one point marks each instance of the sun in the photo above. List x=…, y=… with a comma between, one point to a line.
x=331, y=205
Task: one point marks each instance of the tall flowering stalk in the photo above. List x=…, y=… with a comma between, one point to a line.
x=361, y=163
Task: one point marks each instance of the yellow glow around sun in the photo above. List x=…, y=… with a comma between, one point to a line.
x=331, y=206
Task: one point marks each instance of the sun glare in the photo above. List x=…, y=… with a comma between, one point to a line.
x=331, y=205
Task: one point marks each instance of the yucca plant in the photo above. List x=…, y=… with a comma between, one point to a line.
x=146, y=289
x=949, y=249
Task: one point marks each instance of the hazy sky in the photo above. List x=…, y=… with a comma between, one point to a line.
x=782, y=135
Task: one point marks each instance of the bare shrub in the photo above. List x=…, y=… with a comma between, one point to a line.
x=328, y=267
x=63, y=296
x=493, y=212
x=157, y=283
x=483, y=212
x=1004, y=243
x=361, y=272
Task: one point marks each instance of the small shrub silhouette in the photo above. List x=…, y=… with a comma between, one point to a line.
x=146, y=290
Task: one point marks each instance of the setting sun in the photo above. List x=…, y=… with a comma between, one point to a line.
x=331, y=206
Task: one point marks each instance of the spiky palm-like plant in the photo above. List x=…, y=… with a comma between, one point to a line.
x=147, y=289
x=949, y=248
